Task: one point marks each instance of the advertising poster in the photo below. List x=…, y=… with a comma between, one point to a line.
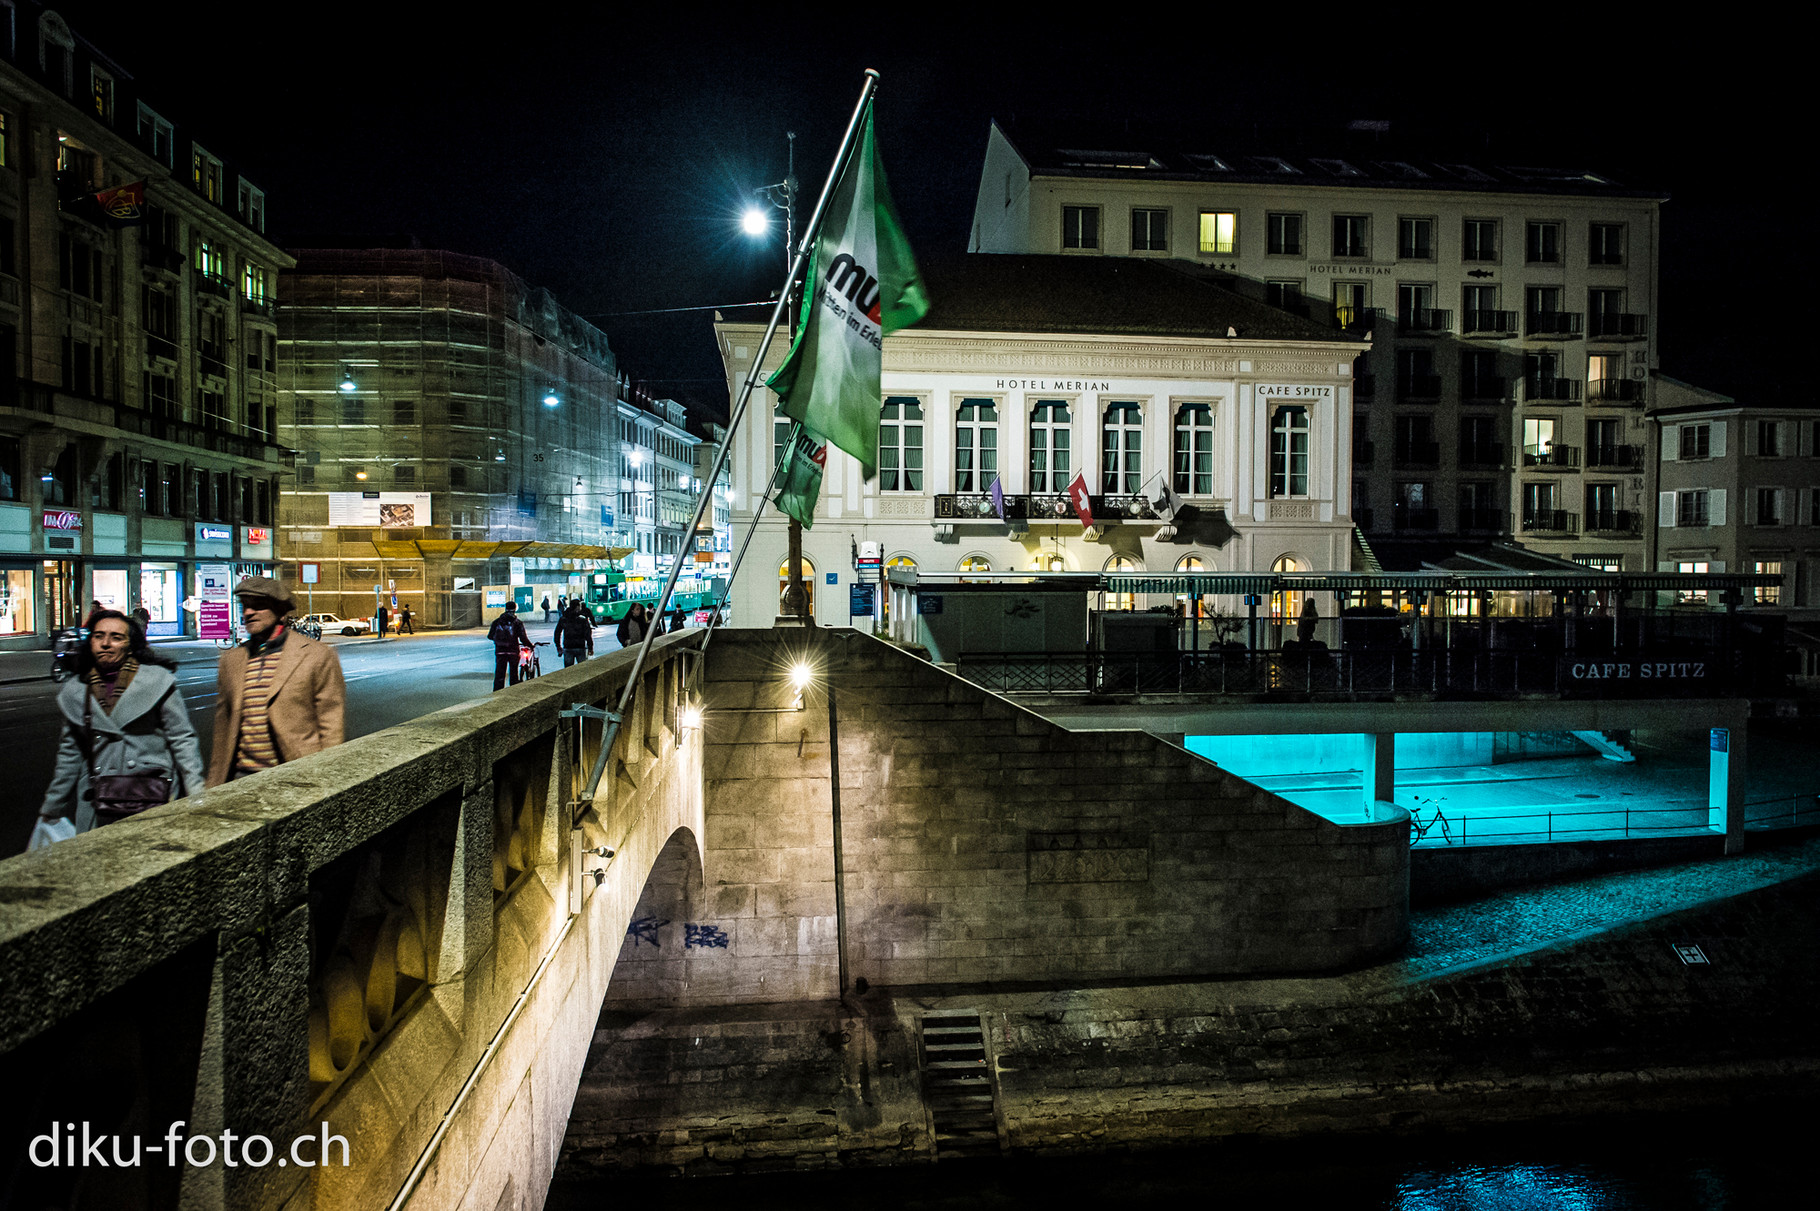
x=215, y=605
x=386, y=510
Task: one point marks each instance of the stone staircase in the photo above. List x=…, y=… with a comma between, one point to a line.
x=958, y=1085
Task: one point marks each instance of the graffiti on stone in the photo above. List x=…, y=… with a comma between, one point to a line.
x=704, y=937
x=644, y=929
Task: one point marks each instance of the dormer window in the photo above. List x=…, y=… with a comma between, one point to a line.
x=101, y=89
x=252, y=206
x=156, y=136
x=205, y=174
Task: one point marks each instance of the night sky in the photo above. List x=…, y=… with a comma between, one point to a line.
x=608, y=161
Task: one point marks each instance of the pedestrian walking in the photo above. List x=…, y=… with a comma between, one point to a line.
x=508, y=635
x=633, y=626
x=281, y=695
x=404, y=622
x=678, y=619
x=95, y=610
x=574, y=635
x=382, y=620
x=127, y=743
x=546, y=607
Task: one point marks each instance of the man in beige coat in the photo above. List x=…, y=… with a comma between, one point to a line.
x=281, y=693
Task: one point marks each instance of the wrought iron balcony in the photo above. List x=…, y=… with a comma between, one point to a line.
x=1614, y=521
x=1489, y=323
x=252, y=306
x=212, y=283
x=1555, y=325
x=1415, y=519
x=1425, y=320
x=1418, y=454
x=1123, y=508
x=1554, y=458
x=1355, y=319
x=1481, y=454
x=1484, y=387
x=1484, y=519
x=1550, y=521
x=1614, y=456
x=1048, y=508
x=1614, y=391
x=1418, y=386
x=1619, y=325
x=1552, y=389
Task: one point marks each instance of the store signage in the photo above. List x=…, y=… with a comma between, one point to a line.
x=62, y=519
x=1634, y=670
x=1300, y=391
x=258, y=537
x=214, y=533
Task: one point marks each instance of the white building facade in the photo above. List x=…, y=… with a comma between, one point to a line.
x=1249, y=430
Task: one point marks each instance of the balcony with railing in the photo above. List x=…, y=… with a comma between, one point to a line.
x=1627, y=457
x=1619, y=326
x=213, y=283
x=253, y=306
x=1493, y=520
x=1404, y=518
x=1489, y=323
x=1550, y=521
x=1614, y=391
x=1614, y=521
x=1418, y=454
x=1555, y=325
x=1355, y=320
x=1539, y=388
x=1481, y=454
x=1483, y=388
x=1418, y=386
x=1425, y=321
x=1552, y=458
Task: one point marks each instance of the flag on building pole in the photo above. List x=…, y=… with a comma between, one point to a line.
x=1083, y=503
x=862, y=284
x=1163, y=500
x=998, y=497
x=123, y=206
x=799, y=476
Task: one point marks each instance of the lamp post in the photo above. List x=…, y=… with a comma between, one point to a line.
x=783, y=196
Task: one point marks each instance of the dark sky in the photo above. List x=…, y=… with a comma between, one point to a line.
x=605, y=152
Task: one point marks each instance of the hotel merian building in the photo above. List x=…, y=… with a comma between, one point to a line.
x=1033, y=369
x=1510, y=314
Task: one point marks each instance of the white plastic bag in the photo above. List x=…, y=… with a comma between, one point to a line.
x=48, y=832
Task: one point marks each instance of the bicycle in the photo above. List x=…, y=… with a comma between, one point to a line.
x=528, y=664
x=1418, y=829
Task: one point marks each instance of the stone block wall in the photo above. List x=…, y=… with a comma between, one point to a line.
x=984, y=844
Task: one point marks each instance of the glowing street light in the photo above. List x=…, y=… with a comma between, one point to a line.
x=755, y=222
x=549, y=398
x=347, y=381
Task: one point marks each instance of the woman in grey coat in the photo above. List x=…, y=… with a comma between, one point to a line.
x=125, y=724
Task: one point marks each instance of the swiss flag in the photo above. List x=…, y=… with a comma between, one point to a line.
x=1083, y=503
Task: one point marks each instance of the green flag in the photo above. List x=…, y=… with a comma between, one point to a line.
x=799, y=476
x=862, y=284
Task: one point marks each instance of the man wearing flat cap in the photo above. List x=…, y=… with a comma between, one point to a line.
x=281, y=693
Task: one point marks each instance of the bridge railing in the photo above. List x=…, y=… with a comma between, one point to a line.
x=333, y=949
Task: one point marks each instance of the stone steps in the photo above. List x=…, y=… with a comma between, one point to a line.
x=958, y=1086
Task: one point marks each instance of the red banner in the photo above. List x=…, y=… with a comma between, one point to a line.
x=123, y=206
x=1083, y=503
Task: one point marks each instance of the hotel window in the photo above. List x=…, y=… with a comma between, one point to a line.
x=253, y=283
x=1194, y=450
x=205, y=174
x=156, y=135
x=252, y=206
x=1080, y=227
x=1416, y=239
x=1289, y=451
x=1479, y=240
x=1538, y=439
x=1287, y=295
x=1607, y=243
x=1691, y=508
x=1697, y=567
x=1284, y=234
x=1539, y=506
x=900, y=445
x=1769, y=439
x=1049, y=461
x=1149, y=230
x=208, y=259
x=1349, y=304
x=1768, y=594
x=1220, y=232
x=1604, y=376
x=1122, y=448
x=975, y=445
x=102, y=89
x=1542, y=242
x=1769, y=506
x=1351, y=235
x=1696, y=441
x=1601, y=506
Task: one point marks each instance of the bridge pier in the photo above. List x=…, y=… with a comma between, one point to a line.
x=1379, y=764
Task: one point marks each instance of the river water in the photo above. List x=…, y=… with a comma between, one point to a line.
x=1728, y=1160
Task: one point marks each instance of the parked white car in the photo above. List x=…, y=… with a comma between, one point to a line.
x=331, y=623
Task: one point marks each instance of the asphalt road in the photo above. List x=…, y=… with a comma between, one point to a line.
x=388, y=681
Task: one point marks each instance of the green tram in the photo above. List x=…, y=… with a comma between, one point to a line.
x=610, y=594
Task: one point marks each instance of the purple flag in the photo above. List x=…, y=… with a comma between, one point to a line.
x=998, y=497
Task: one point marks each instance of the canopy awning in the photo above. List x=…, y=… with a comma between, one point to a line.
x=456, y=548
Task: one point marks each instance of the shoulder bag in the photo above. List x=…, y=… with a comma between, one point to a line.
x=117, y=796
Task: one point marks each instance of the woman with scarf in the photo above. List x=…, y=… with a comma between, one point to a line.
x=127, y=741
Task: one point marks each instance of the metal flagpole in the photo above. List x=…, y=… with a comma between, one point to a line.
x=616, y=716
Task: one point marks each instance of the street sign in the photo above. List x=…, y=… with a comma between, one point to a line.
x=834, y=578
x=859, y=599
x=309, y=573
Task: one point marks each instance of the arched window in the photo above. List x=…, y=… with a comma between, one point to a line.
x=783, y=586
x=1049, y=449
x=1192, y=604
x=900, y=445
x=1289, y=451
x=1048, y=561
x=975, y=445
x=976, y=563
x=896, y=561
x=1286, y=607
x=1122, y=448
x=1121, y=601
x=1194, y=450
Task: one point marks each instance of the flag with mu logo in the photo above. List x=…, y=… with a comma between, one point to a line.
x=862, y=284
x=799, y=475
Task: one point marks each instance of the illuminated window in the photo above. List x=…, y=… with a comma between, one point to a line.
x=1286, y=606
x=1283, y=234
x=1202, y=605
x=1349, y=304
x=205, y=175
x=208, y=259
x=1416, y=239
x=1194, y=450
x=253, y=283
x=1121, y=565
x=1351, y=235
x=1220, y=231
x=1607, y=243
x=1768, y=594
x=1691, y=596
x=975, y=445
x=1289, y=451
x=1080, y=227
x=1479, y=240
x=1542, y=243
x=807, y=570
x=1122, y=448
x=1049, y=446
x=1149, y=230
x=102, y=90
x=900, y=445
x=1538, y=438
x=975, y=563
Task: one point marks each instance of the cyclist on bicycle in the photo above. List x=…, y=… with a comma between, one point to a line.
x=508, y=635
